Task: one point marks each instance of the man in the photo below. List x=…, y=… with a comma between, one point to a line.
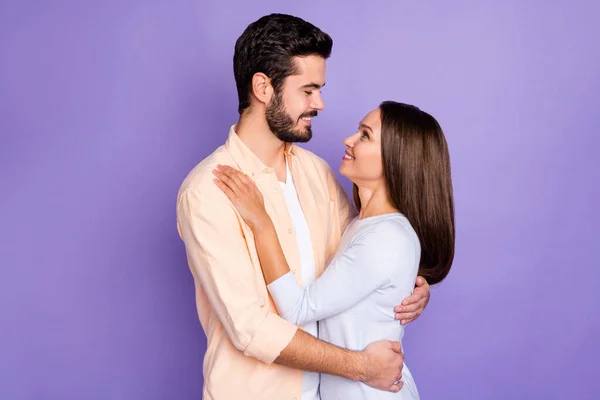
x=252, y=353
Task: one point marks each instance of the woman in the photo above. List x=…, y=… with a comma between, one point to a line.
x=400, y=166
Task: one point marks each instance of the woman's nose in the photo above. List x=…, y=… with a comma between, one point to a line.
x=349, y=141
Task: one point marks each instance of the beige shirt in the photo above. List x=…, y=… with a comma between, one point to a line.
x=244, y=332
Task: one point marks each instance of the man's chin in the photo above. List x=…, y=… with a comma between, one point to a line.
x=303, y=138
x=295, y=136
x=305, y=135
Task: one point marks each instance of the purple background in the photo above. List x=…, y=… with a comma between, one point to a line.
x=104, y=108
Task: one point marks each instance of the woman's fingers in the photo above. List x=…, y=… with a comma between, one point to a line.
x=228, y=192
x=236, y=176
x=226, y=179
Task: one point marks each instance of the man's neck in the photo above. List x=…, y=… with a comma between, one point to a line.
x=257, y=136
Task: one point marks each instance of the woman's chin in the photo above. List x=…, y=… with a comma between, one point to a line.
x=344, y=171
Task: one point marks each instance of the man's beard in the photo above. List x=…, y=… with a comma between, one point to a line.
x=283, y=126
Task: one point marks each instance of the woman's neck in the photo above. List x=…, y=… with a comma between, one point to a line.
x=374, y=201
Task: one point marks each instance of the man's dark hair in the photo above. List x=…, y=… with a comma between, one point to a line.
x=268, y=45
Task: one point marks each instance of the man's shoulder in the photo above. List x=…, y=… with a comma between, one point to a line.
x=201, y=176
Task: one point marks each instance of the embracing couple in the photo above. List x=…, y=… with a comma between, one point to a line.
x=303, y=295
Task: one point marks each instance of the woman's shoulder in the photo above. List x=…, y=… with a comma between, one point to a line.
x=388, y=240
x=384, y=229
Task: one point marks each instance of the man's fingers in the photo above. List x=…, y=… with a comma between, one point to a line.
x=412, y=307
x=405, y=320
x=415, y=298
x=397, y=347
x=396, y=387
x=407, y=315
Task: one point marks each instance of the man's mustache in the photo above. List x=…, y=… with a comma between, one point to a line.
x=309, y=114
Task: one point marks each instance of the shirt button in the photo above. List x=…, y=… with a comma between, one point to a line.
x=290, y=230
x=274, y=190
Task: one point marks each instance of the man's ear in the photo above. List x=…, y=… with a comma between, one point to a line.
x=262, y=88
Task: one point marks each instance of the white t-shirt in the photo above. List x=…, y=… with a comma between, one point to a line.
x=310, y=380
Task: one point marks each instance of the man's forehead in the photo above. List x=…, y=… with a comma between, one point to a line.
x=310, y=64
x=310, y=72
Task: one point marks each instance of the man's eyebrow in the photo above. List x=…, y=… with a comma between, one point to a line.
x=312, y=86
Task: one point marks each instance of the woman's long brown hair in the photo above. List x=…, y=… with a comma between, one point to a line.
x=416, y=166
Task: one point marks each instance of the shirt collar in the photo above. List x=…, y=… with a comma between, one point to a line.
x=246, y=160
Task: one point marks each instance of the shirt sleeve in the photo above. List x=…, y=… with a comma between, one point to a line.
x=218, y=256
x=367, y=264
